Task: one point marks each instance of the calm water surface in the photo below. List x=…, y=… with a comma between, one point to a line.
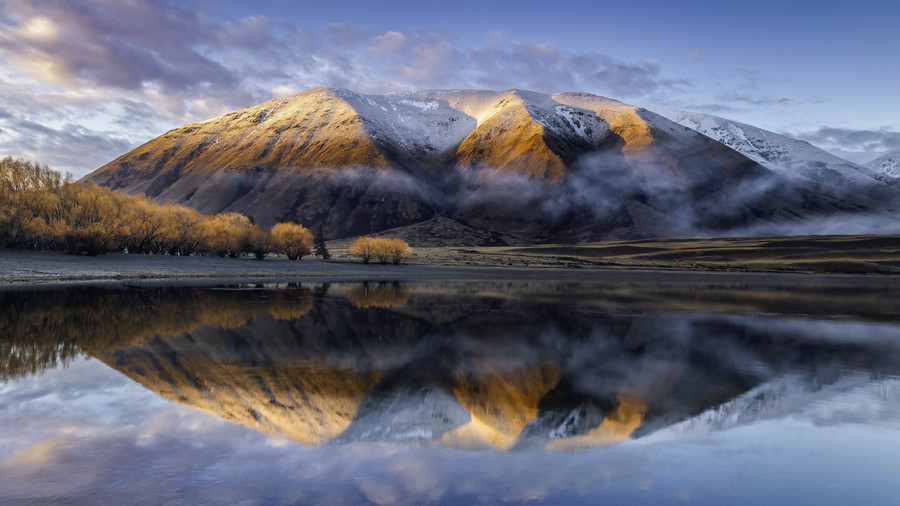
x=452, y=393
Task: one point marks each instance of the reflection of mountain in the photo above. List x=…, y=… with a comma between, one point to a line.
x=464, y=371
x=310, y=403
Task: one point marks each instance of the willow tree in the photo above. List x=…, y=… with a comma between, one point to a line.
x=291, y=240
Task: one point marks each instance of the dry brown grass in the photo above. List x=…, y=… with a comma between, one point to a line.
x=863, y=254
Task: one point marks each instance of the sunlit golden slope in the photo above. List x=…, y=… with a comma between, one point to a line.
x=309, y=403
x=312, y=129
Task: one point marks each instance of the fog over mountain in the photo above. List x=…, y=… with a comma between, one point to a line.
x=509, y=165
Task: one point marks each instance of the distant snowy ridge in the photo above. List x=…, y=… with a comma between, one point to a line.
x=887, y=166
x=791, y=157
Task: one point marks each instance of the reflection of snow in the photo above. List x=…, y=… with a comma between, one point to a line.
x=853, y=399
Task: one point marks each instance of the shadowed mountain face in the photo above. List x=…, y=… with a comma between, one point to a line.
x=536, y=167
x=468, y=365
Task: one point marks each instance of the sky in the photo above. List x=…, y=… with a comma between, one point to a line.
x=84, y=81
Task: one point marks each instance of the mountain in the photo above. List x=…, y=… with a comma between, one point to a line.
x=887, y=166
x=791, y=157
x=499, y=167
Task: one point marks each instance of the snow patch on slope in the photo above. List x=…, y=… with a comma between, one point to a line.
x=887, y=166
x=785, y=155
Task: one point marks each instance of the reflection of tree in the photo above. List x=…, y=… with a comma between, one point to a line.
x=39, y=329
x=290, y=310
x=382, y=294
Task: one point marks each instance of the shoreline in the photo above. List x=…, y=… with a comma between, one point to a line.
x=30, y=270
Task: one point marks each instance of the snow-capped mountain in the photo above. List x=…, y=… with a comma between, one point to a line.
x=887, y=166
x=791, y=157
x=534, y=167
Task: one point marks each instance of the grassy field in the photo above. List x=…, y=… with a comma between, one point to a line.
x=876, y=254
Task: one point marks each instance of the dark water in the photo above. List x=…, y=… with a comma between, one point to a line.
x=459, y=393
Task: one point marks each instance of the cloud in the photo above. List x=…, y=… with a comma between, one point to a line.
x=132, y=70
x=847, y=139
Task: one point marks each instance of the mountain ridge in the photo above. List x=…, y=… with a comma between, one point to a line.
x=566, y=167
x=790, y=157
x=886, y=165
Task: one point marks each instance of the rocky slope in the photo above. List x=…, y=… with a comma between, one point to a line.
x=530, y=166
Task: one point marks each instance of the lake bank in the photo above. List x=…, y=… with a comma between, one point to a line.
x=30, y=269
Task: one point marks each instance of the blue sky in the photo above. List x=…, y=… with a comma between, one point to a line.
x=81, y=81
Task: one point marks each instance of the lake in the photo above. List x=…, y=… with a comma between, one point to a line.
x=642, y=391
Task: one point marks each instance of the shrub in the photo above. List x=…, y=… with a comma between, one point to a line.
x=364, y=248
x=291, y=240
x=384, y=250
x=260, y=243
x=228, y=234
x=398, y=251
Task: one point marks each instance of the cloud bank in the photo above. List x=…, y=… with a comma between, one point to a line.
x=856, y=145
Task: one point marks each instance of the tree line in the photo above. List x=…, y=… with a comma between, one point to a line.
x=42, y=210
x=381, y=249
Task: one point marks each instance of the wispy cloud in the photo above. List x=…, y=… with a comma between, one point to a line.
x=880, y=140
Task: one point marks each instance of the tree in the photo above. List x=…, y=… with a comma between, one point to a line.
x=260, y=243
x=93, y=218
x=398, y=251
x=29, y=202
x=144, y=221
x=228, y=234
x=364, y=248
x=291, y=240
x=183, y=230
x=319, y=243
x=384, y=250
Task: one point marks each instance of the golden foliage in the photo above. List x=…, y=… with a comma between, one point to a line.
x=363, y=248
x=40, y=329
x=182, y=232
x=39, y=209
x=382, y=295
x=228, y=234
x=29, y=202
x=292, y=240
x=398, y=251
x=291, y=310
x=384, y=250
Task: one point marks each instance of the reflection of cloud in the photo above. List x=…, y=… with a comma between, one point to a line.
x=158, y=452
x=35, y=456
